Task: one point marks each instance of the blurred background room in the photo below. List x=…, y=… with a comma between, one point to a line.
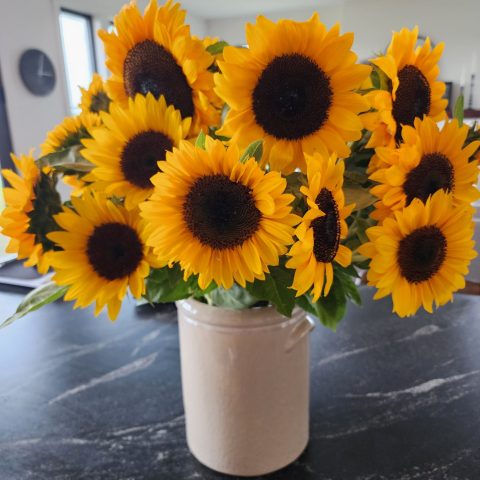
x=82, y=397
x=64, y=33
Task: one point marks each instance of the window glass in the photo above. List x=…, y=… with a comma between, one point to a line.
x=78, y=54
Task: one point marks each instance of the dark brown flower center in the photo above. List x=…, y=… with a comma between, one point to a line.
x=140, y=156
x=434, y=172
x=150, y=68
x=326, y=229
x=421, y=254
x=100, y=102
x=114, y=250
x=292, y=97
x=220, y=213
x=412, y=99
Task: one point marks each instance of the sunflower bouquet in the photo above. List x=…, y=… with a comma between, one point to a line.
x=273, y=174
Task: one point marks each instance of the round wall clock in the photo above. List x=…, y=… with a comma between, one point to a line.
x=37, y=72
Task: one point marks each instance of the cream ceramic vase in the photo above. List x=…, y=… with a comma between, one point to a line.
x=245, y=379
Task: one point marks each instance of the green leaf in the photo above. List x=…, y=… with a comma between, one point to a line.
x=46, y=205
x=68, y=159
x=37, y=298
x=351, y=270
x=212, y=132
x=379, y=79
x=331, y=309
x=276, y=289
x=356, y=176
x=217, y=48
x=235, y=297
x=374, y=76
x=295, y=181
x=362, y=226
x=200, y=141
x=196, y=291
x=255, y=150
x=458, y=110
x=355, y=193
x=360, y=261
x=72, y=168
x=165, y=285
x=343, y=275
x=305, y=303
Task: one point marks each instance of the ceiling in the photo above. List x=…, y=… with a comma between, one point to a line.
x=234, y=8
x=207, y=9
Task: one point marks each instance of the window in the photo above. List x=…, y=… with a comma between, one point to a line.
x=78, y=54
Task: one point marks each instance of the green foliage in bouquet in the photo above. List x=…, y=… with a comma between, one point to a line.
x=274, y=174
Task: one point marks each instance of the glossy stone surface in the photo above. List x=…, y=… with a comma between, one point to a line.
x=392, y=399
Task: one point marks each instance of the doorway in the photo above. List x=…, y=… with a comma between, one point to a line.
x=5, y=139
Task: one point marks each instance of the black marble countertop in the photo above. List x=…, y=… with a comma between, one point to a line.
x=84, y=398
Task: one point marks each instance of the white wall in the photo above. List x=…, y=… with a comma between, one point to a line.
x=30, y=24
x=34, y=24
x=232, y=29
x=456, y=23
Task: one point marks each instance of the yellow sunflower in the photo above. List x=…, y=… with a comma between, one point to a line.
x=429, y=159
x=155, y=53
x=421, y=255
x=76, y=183
x=31, y=202
x=95, y=99
x=321, y=229
x=412, y=72
x=294, y=88
x=207, y=42
x=219, y=218
x=126, y=149
x=103, y=253
x=70, y=132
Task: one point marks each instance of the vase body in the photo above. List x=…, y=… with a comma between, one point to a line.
x=245, y=380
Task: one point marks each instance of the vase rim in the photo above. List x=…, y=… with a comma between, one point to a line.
x=248, y=318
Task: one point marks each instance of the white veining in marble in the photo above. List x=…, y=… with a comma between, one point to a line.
x=145, y=340
x=421, y=332
x=424, y=387
x=60, y=356
x=121, y=372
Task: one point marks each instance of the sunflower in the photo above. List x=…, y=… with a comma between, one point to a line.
x=222, y=219
x=293, y=88
x=103, y=253
x=126, y=149
x=31, y=202
x=421, y=254
x=321, y=229
x=412, y=72
x=95, y=99
x=429, y=159
x=155, y=53
x=207, y=42
x=70, y=132
x=76, y=183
